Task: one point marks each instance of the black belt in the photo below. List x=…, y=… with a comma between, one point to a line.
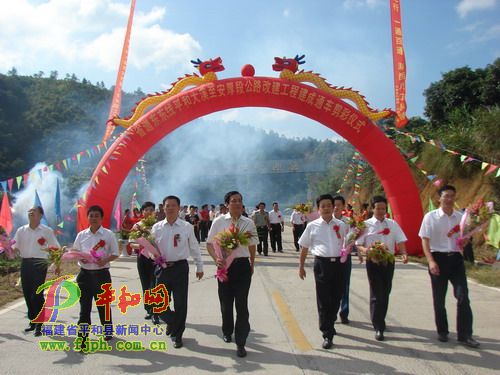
x=445, y=253
x=171, y=264
x=327, y=259
x=94, y=271
x=235, y=260
x=262, y=226
x=298, y=225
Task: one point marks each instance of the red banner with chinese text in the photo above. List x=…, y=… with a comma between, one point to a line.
x=117, y=94
x=399, y=63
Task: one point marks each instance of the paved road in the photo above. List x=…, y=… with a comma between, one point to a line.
x=284, y=339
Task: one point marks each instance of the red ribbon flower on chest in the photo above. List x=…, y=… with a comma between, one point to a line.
x=177, y=239
x=384, y=231
x=454, y=230
x=42, y=241
x=336, y=228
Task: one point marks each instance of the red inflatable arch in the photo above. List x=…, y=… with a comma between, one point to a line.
x=305, y=100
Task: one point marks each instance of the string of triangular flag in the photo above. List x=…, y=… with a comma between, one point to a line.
x=489, y=167
x=61, y=166
x=355, y=166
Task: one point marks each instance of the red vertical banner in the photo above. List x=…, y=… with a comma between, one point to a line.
x=399, y=63
x=117, y=94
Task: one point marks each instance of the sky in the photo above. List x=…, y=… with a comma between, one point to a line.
x=347, y=41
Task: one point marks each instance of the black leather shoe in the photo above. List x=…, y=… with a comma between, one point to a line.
x=227, y=338
x=108, y=338
x=38, y=331
x=443, y=337
x=155, y=319
x=148, y=316
x=280, y=251
x=241, y=352
x=379, y=336
x=327, y=344
x=30, y=328
x=345, y=320
x=469, y=342
x=178, y=344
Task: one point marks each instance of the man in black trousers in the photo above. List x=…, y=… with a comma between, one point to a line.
x=325, y=238
x=235, y=290
x=176, y=241
x=94, y=275
x=31, y=239
x=145, y=265
x=439, y=233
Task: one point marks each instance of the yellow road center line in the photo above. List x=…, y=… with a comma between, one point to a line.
x=299, y=339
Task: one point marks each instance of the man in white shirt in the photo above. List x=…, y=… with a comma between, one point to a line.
x=387, y=231
x=235, y=290
x=439, y=233
x=277, y=225
x=325, y=238
x=176, y=241
x=297, y=220
x=31, y=239
x=93, y=276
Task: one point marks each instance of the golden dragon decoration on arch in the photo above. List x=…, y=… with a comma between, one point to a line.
x=207, y=70
x=289, y=70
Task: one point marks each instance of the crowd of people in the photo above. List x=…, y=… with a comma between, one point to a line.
x=179, y=230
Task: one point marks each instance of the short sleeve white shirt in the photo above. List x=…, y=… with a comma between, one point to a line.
x=436, y=225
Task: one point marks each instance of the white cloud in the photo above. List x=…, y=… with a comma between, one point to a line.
x=350, y=4
x=286, y=12
x=466, y=6
x=89, y=32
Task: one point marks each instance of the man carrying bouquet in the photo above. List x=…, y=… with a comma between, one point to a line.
x=325, y=238
x=30, y=240
x=100, y=242
x=145, y=265
x=439, y=233
x=176, y=241
x=234, y=288
x=380, y=272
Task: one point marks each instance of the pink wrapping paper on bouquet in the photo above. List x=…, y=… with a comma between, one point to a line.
x=151, y=252
x=474, y=220
x=6, y=246
x=73, y=255
x=221, y=274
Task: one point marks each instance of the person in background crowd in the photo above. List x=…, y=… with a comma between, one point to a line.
x=160, y=213
x=261, y=220
x=204, y=219
x=297, y=219
x=193, y=218
x=277, y=225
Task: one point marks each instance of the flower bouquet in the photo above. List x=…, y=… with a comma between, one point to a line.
x=55, y=257
x=305, y=208
x=141, y=234
x=379, y=254
x=93, y=256
x=474, y=220
x=225, y=242
x=6, y=244
x=357, y=227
